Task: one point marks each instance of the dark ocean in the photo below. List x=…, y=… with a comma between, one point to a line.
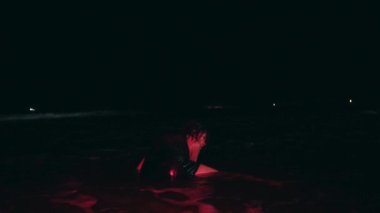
x=327, y=160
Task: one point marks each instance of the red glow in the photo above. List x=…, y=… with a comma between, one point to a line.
x=172, y=173
x=141, y=164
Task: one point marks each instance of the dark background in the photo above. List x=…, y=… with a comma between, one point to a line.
x=92, y=56
x=87, y=56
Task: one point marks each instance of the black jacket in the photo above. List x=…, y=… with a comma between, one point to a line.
x=169, y=158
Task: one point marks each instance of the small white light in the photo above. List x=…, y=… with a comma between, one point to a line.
x=32, y=109
x=350, y=100
x=274, y=104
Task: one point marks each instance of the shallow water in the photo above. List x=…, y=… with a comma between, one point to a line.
x=293, y=162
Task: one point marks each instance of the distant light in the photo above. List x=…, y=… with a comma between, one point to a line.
x=350, y=100
x=32, y=109
x=274, y=104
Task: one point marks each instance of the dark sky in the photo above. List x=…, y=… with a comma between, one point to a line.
x=157, y=54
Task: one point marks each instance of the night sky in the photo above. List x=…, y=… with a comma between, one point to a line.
x=90, y=56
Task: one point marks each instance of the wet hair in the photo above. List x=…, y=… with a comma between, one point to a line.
x=193, y=128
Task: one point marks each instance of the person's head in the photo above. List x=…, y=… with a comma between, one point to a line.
x=195, y=133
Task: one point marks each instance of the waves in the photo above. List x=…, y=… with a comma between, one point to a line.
x=40, y=116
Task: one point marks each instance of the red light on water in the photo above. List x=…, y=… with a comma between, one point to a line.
x=141, y=164
x=172, y=173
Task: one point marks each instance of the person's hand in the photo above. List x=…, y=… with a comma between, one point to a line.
x=195, y=144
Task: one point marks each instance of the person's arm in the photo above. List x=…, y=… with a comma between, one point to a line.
x=203, y=169
x=194, y=147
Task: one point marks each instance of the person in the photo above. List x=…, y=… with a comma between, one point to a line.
x=176, y=155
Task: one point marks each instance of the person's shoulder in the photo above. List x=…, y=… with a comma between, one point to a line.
x=167, y=137
x=172, y=139
x=170, y=135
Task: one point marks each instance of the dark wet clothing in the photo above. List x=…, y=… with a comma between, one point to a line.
x=169, y=157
